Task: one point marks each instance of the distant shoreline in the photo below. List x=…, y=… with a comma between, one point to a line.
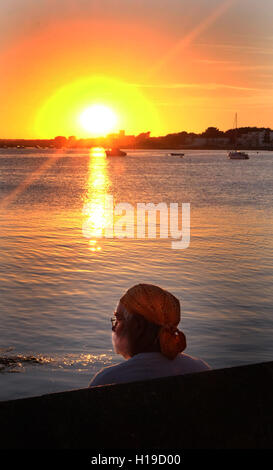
x=242, y=138
x=208, y=147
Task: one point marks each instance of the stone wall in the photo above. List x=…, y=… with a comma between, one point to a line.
x=227, y=408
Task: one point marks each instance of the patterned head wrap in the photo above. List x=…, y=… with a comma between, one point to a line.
x=162, y=308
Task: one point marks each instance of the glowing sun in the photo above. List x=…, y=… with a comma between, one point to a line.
x=98, y=119
x=93, y=107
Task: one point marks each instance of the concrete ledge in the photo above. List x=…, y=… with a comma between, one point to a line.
x=226, y=408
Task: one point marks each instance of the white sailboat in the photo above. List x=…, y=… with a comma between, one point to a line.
x=236, y=154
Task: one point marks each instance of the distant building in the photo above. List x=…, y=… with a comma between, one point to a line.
x=197, y=141
x=258, y=138
x=220, y=141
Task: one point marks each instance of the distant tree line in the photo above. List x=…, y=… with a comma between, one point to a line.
x=211, y=137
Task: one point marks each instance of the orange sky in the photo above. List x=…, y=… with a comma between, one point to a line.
x=164, y=65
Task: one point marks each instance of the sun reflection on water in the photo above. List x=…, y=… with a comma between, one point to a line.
x=94, y=205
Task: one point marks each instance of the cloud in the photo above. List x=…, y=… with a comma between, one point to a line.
x=199, y=86
x=238, y=47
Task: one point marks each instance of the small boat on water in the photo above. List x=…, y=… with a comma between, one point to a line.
x=175, y=154
x=115, y=152
x=236, y=154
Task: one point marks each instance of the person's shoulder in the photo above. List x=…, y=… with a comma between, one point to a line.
x=193, y=364
x=106, y=376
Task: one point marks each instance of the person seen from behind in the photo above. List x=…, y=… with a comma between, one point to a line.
x=145, y=333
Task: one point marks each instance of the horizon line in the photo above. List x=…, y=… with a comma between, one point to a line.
x=116, y=134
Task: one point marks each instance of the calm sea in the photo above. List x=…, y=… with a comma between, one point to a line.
x=59, y=287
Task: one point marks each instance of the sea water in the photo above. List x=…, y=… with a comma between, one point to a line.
x=59, y=287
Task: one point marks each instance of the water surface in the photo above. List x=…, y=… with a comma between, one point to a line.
x=59, y=288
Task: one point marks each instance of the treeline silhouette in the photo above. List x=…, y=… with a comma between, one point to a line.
x=211, y=138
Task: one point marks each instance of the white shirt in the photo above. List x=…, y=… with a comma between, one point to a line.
x=149, y=365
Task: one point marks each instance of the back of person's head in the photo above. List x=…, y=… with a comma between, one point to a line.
x=152, y=317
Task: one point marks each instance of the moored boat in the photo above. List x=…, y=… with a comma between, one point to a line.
x=115, y=152
x=236, y=155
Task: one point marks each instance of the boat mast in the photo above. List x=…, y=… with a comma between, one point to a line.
x=235, y=136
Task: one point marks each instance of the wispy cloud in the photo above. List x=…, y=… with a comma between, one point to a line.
x=239, y=47
x=199, y=86
x=261, y=100
x=251, y=67
x=234, y=65
x=216, y=61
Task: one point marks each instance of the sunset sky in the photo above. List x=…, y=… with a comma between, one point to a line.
x=156, y=65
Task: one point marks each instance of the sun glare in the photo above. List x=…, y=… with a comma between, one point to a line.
x=98, y=120
x=96, y=106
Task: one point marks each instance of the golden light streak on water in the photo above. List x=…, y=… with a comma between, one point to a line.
x=94, y=206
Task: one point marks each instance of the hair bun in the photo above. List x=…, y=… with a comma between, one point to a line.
x=172, y=341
